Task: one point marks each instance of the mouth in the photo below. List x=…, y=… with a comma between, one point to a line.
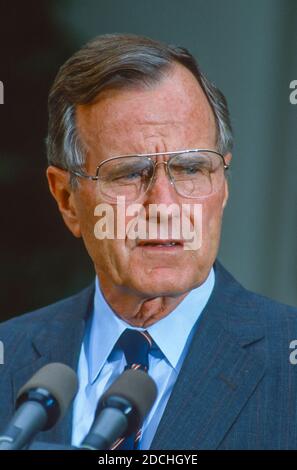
x=168, y=245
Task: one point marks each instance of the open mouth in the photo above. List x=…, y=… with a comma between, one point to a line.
x=160, y=244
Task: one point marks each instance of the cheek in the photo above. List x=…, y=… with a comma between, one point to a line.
x=109, y=254
x=87, y=219
x=86, y=202
x=212, y=218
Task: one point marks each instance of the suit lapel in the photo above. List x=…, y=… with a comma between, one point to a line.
x=218, y=376
x=59, y=341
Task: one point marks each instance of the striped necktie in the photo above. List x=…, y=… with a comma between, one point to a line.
x=136, y=346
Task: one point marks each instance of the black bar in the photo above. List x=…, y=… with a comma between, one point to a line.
x=132, y=459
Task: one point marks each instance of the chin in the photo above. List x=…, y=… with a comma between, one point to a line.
x=163, y=284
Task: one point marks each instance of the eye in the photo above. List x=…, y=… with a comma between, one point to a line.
x=189, y=168
x=131, y=176
x=127, y=173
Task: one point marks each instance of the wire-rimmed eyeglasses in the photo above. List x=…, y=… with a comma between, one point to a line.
x=194, y=173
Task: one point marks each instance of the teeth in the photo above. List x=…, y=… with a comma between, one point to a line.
x=161, y=244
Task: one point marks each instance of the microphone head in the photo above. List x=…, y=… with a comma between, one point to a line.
x=58, y=379
x=135, y=386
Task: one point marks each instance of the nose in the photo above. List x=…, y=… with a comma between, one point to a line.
x=161, y=189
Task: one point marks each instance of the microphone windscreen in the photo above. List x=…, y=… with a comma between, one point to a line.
x=137, y=387
x=59, y=379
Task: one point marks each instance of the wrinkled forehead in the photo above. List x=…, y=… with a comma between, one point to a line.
x=171, y=114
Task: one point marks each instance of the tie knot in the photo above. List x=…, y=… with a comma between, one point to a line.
x=136, y=346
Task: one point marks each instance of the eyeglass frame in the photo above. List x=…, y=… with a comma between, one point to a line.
x=175, y=152
x=148, y=155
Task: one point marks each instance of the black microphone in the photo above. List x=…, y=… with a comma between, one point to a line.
x=121, y=410
x=41, y=402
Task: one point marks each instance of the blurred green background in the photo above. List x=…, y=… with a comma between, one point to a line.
x=248, y=48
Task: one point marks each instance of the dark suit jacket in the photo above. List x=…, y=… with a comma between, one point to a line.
x=236, y=389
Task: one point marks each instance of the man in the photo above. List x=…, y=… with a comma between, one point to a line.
x=132, y=120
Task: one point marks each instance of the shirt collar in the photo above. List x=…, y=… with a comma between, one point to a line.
x=170, y=333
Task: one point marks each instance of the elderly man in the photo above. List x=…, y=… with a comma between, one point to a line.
x=134, y=121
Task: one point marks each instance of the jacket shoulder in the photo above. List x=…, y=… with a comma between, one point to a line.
x=266, y=309
x=32, y=321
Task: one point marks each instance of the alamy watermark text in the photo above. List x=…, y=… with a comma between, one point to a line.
x=293, y=94
x=159, y=221
x=1, y=353
x=1, y=93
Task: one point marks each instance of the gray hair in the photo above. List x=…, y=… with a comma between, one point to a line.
x=117, y=61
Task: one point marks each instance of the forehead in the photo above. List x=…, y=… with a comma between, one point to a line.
x=171, y=114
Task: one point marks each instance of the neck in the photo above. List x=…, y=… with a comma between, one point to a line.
x=135, y=309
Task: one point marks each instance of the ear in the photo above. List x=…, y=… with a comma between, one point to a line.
x=59, y=185
x=227, y=158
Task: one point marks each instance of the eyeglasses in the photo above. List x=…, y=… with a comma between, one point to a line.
x=193, y=173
